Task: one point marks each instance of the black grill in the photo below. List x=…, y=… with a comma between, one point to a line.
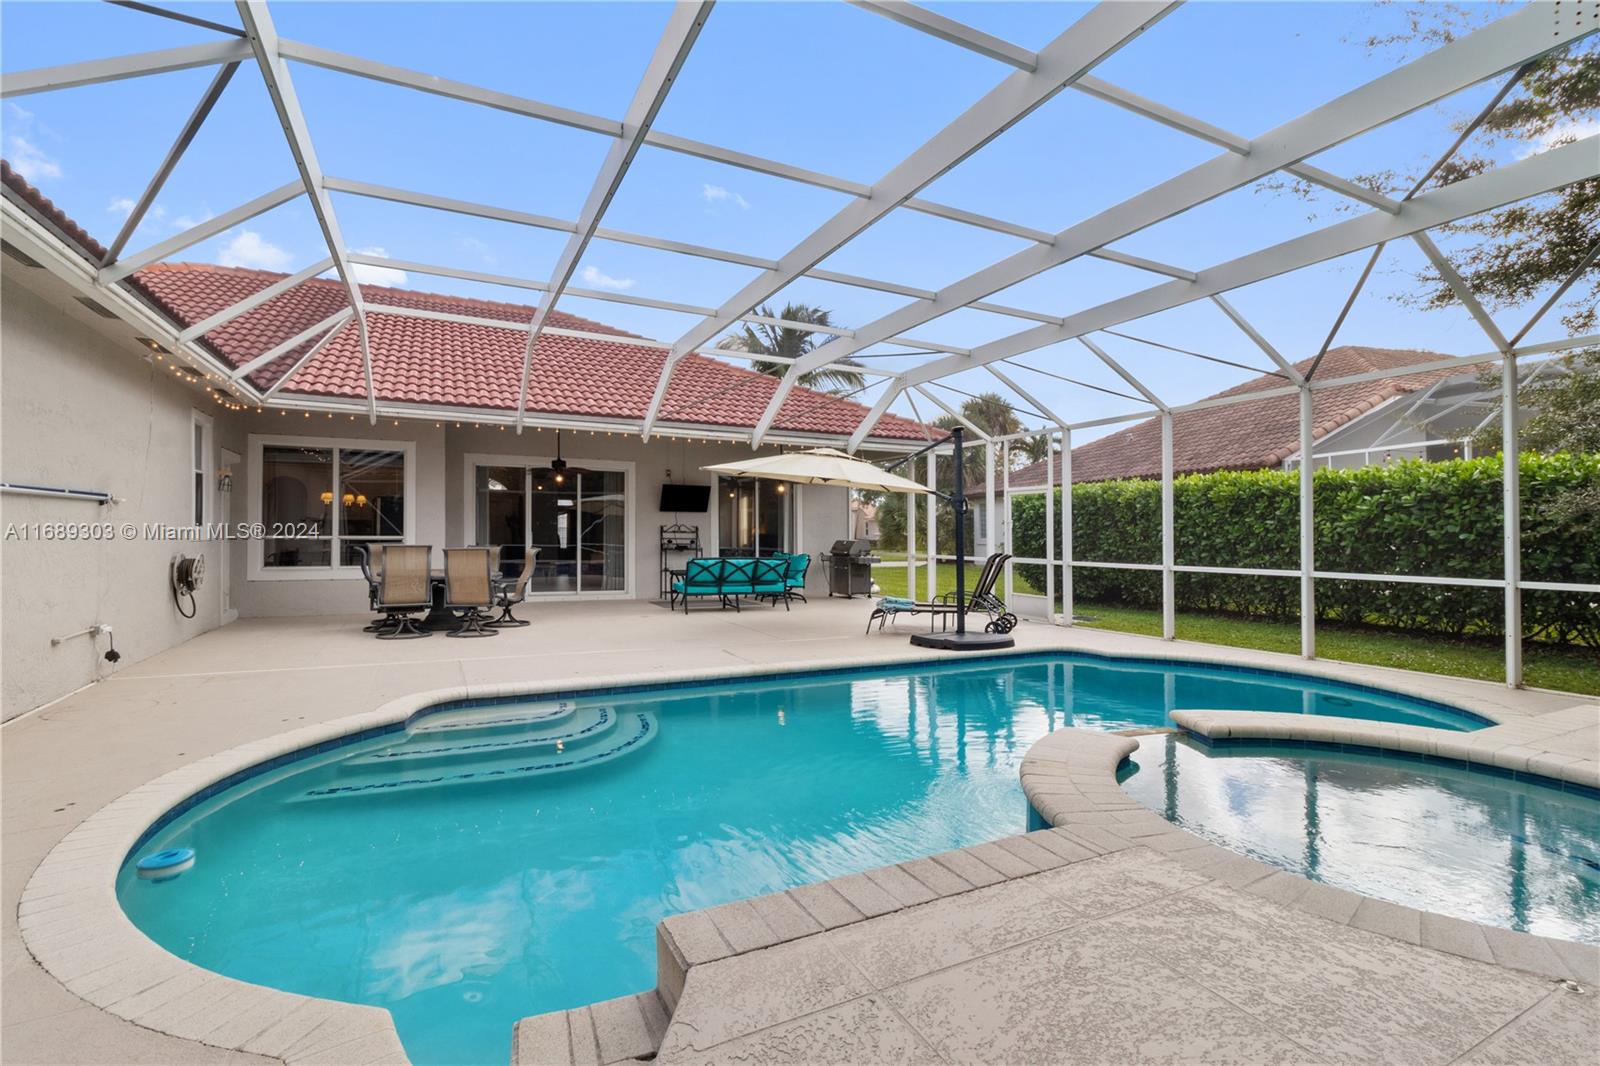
x=850, y=568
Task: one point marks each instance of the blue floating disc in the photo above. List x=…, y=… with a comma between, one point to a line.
x=166, y=863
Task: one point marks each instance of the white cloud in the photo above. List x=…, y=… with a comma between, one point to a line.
x=717, y=194
x=1567, y=131
x=479, y=248
x=22, y=151
x=122, y=206
x=183, y=222
x=376, y=275
x=249, y=249
x=604, y=281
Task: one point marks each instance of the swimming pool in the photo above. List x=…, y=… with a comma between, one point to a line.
x=489, y=862
x=1422, y=833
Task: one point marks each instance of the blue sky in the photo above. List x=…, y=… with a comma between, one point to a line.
x=820, y=85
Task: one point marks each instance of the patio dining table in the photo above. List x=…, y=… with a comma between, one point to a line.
x=441, y=617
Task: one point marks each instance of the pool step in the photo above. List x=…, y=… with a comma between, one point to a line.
x=496, y=716
x=559, y=731
x=633, y=730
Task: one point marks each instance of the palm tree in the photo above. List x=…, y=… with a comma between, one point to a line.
x=789, y=343
x=1032, y=449
x=991, y=413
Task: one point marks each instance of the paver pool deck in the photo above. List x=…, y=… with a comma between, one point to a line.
x=1080, y=943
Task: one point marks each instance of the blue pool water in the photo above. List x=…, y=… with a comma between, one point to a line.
x=1426, y=834
x=497, y=861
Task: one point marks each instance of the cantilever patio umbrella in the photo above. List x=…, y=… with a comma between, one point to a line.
x=826, y=466
x=820, y=466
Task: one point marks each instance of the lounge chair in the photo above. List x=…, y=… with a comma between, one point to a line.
x=404, y=588
x=510, y=592
x=982, y=598
x=467, y=585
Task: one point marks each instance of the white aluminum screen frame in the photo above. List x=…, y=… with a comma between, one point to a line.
x=1029, y=79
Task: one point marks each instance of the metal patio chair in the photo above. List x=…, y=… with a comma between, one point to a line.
x=510, y=592
x=404, y=588
x=467, y=585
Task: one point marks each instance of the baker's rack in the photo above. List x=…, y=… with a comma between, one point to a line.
x=676, y=539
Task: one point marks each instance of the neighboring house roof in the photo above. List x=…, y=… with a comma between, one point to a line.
x=426, y=361
x=1251, y=434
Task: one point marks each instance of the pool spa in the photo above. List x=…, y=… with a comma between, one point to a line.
x=1425, y=833
x=484, y=862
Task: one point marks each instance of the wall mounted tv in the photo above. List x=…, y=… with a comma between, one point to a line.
x=680, y=498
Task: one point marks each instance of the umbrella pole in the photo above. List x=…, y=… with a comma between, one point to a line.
x=959, y=506
x=961, y=640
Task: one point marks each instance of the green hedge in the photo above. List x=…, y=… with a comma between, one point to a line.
x=1437, y=519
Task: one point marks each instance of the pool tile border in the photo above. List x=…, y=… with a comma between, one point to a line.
x=72, y=924
x=1498, y=750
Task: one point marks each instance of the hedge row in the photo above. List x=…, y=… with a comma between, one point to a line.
x=1439, y=519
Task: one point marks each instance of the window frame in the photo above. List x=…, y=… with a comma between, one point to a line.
x=206, y=468
x=258, y=443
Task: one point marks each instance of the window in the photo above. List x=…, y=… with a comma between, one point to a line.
x=755, y=516
x=199, y=466
x=319, y=500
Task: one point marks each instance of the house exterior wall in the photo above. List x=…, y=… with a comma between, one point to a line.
x=80, y=411
x=83, y=410
x=268, y=595
x=822, y=509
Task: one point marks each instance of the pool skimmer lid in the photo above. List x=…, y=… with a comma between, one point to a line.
x=166, y=864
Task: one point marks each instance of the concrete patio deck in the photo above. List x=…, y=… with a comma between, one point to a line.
x=256, y=679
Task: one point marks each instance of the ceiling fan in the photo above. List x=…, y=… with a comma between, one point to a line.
x=559, y=470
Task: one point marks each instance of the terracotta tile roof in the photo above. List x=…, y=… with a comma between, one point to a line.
x=427, y=361
x=1250, y=435
x=431, y=362
x=43, y=209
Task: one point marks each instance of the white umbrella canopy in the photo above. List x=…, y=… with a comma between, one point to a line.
x=819, y=466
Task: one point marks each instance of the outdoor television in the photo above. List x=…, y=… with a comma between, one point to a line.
x=680, y=498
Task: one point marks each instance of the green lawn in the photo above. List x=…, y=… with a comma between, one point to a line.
x=891, y=577
x=1566, y=668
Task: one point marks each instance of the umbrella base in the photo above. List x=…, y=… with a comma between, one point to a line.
x=963, y=641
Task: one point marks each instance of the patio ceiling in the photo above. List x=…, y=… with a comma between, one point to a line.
x=1025, y=80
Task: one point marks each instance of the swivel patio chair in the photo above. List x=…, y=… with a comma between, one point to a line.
x=467, y=585
x=509, y=593
x=404, y=588
x=364, y=560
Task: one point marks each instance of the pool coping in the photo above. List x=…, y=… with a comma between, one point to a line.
x=1500, y=750
x=72, y=924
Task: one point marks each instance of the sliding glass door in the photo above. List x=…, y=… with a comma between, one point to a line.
x=577, y=518
x=755, y=517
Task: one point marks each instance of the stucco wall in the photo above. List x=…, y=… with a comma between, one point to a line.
x=82, y=413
